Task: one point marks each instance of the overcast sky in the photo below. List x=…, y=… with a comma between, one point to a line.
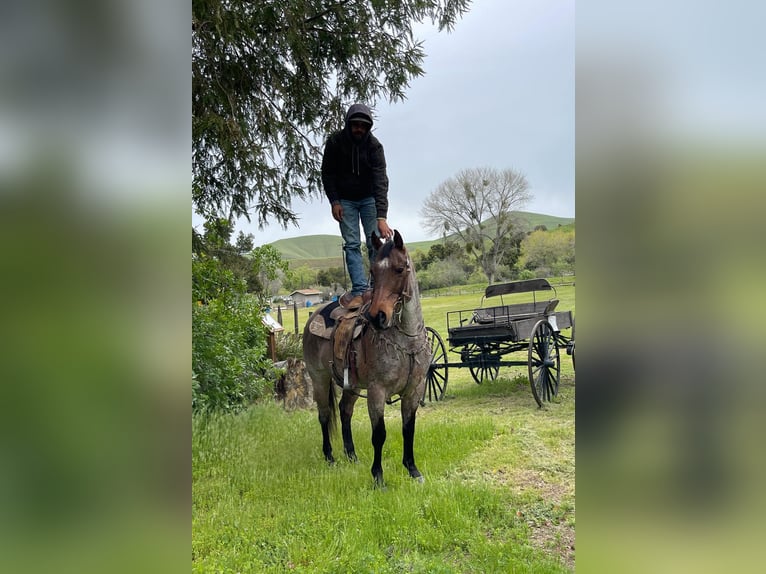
x=499, y=92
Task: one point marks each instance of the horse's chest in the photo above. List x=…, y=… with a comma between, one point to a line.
x=384, y=360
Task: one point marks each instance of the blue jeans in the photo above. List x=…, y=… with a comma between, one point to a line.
x=353, y=212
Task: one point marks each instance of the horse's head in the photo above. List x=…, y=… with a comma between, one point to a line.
x=391, y=274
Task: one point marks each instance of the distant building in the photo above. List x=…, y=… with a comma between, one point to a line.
x=306, y=297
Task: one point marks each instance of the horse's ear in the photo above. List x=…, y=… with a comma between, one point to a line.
x=376, y=242
x=398, y=242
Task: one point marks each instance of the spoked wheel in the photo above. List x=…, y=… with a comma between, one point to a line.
x=436, y=378
x=484, y=373
x=544, y=362
x=486, y=369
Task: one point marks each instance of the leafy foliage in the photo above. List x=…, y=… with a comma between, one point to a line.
x=258, y=267
x=229, y=360
x=439, y=252
x=444, y=273
x=333, y=277
x=270, y=81
x=268, y=266
x=301, y=277
x=445, y=264
x=549, y=253
x=229, y=364
x=465, y=203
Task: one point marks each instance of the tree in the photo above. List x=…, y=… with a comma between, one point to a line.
x=442, y=273
x=266, y=265
x=549, y=252
x=258, y=267
x=333, y=277
x=270, y=81
x=301, y=277
x=477, y=205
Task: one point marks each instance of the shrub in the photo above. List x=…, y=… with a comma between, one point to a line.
x=230, y=367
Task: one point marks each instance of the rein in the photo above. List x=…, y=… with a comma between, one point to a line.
x=404, y=297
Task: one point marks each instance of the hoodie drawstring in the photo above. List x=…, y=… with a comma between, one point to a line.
x=355, y=149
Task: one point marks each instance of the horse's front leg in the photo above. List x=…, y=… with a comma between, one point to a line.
x=409, y=411
x=346, y=406
x=376, y=401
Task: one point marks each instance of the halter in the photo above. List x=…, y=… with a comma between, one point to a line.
x=404, y=296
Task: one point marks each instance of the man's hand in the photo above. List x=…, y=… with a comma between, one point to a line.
x=385, y=231
x=337, y=212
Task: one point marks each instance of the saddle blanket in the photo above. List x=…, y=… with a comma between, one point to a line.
x=327, y=319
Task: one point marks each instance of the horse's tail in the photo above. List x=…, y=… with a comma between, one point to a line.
x=332, y=423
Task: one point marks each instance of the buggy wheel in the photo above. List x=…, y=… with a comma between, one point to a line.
x=544, y=362
x=484, y=373
x=484, y=367
x=438, y=373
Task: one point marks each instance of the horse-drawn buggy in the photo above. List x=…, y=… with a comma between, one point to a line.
x=482, y=337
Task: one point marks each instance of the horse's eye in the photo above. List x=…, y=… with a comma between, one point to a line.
x=400, y=270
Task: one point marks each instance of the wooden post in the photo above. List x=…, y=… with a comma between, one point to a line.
x=272, y=346
x=271, y=340
x=295, y=313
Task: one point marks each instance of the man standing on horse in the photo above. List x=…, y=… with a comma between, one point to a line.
x=355, y=181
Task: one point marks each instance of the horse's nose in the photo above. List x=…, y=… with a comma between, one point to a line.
x=378, y=321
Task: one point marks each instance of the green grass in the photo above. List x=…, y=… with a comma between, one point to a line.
x=498, y=496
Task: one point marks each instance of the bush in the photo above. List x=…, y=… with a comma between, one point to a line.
x=442, y=273
x=230, y=367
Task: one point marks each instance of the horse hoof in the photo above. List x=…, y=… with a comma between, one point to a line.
x=352, y=457
x=420, y=479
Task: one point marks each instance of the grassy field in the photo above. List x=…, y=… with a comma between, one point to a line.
x=498, y=496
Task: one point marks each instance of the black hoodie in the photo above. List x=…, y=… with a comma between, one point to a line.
x=352, y=170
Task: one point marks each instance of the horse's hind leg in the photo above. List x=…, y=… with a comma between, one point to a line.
x=324, y=396
x=326, y=444
x=346, y=407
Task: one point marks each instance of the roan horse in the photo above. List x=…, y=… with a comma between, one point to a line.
x=392, y=357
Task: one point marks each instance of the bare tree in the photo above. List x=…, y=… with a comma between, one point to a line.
x=477, y=205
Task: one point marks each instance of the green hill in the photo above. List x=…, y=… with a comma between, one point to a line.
x=310, y=247
x=322, y=251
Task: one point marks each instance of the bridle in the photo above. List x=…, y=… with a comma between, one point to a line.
x=404, y=296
